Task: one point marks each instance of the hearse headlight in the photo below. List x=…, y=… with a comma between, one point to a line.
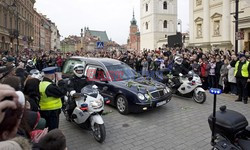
x=147, y=96
x=141, y=96
x=166, y=90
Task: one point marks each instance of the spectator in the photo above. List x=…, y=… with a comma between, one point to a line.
x=54, y=140
x=211, y=73
x=223, y=82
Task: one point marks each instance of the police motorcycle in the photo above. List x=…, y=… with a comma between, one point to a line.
x=230, y=130
x=87, y=110
x=185, y=85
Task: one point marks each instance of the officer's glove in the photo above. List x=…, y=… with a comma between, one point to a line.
x=72, y=93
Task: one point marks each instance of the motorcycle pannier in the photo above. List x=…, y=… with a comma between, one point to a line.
x=228, y=123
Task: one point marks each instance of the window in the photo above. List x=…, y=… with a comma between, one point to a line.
x=165, y=24
x=165, y=5
x=199, y=30
x=10, y=22
x=146, y=7
x=5, y=20
x=95, y=73
x=146, y=25
x=217, y=28
x=69, y=65
x=166, y=36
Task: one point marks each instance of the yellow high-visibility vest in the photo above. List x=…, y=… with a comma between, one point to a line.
x=244, y=70
x=48, y=103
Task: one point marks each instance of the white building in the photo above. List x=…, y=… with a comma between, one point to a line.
x=158, y=20
x=212, y=25
x=55, y=37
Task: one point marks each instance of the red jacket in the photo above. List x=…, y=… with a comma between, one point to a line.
x=204, y=70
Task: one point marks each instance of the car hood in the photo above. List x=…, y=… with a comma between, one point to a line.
x=140, y=85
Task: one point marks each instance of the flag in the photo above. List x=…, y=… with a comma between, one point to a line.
x=248, y=1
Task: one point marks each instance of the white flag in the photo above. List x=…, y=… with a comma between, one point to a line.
x=248, y=1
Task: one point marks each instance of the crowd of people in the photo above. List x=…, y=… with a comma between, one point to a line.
x=31, y=115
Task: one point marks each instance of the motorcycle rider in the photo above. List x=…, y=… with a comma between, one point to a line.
x=75, y=85
x=30, y=66
x=178, y=69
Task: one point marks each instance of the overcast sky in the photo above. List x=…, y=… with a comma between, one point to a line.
x=112, y=16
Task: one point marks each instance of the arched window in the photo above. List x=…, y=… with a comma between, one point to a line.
x=165, y=5
x=146, y=7
x=146, y=25
x=165, y=24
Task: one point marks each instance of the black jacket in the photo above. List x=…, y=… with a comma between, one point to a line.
x=55, y=91
x=76, y=83
x=177, y=69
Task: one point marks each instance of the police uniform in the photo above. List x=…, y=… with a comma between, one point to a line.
x=241, y=72
x=50, y=99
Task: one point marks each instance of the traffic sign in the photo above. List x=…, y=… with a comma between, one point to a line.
x=100, y=45
x=239, y=35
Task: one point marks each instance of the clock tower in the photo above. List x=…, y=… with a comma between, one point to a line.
x=134, y=35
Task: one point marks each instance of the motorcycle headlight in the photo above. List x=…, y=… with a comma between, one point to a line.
x=140, y=96
x=147, y=96
x=97, y=104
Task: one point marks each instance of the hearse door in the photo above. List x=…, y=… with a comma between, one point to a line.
x=97, y=76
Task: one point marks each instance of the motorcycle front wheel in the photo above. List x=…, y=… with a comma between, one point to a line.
x=99, y=132
x=200, y=97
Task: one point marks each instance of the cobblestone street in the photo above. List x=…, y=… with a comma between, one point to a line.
x=181, y=124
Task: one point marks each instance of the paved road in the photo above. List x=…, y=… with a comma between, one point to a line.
x=180, y=125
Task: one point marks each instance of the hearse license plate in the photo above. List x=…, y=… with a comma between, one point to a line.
x=161, y=103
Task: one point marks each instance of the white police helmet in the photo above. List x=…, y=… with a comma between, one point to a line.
x=178, y=60
x=78, y=70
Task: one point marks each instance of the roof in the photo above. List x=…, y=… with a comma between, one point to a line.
x=105, y=61
x=101, y=34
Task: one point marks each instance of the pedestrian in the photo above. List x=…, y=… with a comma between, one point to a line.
x=144, y=64
x=223, y=82
x=211, y=74
x=242, y=70
x=50, y=97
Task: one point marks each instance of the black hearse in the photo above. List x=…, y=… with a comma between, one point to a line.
x=127, y=90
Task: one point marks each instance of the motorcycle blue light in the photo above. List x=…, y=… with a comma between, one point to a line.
x=215, y=91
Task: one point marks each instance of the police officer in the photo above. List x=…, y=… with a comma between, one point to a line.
x=178, y=67
x=75, y=85
x=50, y=97
x=241, y=72
x=30, y=66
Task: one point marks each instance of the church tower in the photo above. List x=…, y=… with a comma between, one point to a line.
x=158, y=21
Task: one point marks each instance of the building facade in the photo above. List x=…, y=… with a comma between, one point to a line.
x=55, y=37
x=134, y=36
x=47, y=32
x=212, y=25
x=158, y=21
x=16, y=20
x=37, y=30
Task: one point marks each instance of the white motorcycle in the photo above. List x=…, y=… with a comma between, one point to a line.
x=189, y=86
x=88, y=107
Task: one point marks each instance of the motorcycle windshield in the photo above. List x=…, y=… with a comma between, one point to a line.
x=90, y=91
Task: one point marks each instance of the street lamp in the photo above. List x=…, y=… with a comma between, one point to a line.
x=179, y=22
x=17, y=30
